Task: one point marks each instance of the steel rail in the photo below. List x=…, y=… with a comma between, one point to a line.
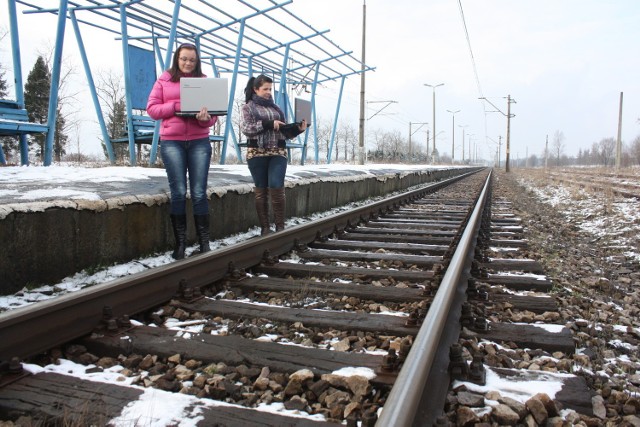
x=406, y=396
x=29, y=330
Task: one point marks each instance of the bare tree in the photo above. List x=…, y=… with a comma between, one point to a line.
x=350, y=140
x=396, y=143
x=110, y=90
x=634, y=150
x=607, y=148
x=68, y=104
x=558, y=145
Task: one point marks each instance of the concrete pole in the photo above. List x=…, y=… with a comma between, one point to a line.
x=506, y=169
x=362, y=82
x=619, y=141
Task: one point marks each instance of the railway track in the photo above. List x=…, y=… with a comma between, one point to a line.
x=386, y=289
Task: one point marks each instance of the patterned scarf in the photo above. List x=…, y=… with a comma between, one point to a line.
x=268, y=103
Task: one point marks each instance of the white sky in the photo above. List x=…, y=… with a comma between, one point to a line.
x=565, y=64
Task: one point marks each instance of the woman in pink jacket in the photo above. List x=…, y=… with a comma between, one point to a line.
x=184, y=147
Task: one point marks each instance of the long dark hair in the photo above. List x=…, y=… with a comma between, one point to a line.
x=175, y=69
x=255, y=83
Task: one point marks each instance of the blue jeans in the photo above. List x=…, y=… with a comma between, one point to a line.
x=180, y=158
x=268, y=171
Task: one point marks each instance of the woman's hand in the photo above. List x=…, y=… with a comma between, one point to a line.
x=277, y=124
x=303, y=125
x=203, y=115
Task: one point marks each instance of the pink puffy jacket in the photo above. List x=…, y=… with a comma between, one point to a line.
x=164, y=101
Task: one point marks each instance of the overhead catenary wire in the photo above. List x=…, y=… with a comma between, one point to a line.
x=475, y=68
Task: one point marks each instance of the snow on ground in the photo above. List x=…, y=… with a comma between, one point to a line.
x=613, y=220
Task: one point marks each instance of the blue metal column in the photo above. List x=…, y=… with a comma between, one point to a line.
x=281, y=101
x=127, y=83
x=232, y=90
x=167, y=60
x=92, y=88
x=17, y=76
x=335, y=120
x=313, y=118
x=55, y=83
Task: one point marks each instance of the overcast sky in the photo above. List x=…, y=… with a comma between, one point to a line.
x=564, y=63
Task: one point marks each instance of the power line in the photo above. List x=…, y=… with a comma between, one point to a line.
x=473, y=64
x=473, y=61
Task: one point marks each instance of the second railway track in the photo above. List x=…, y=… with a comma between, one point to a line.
x=278, y=319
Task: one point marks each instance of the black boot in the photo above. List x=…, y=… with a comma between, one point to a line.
x=278, y=204
x=262, y=208
x=179, y=224
x=202, y=230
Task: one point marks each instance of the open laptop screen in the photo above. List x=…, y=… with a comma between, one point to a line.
x=302, y=109
x=196, y=93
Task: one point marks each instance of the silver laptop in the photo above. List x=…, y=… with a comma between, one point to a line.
x=196, y=92
x=302, y=109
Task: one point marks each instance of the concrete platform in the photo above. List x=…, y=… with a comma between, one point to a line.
x=58, y=220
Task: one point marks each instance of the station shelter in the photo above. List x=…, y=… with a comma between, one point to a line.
x=235, y=38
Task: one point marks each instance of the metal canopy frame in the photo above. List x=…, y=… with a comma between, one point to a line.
x=244, y=38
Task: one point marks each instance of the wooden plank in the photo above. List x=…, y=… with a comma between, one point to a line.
x=413, y=248
x=516, y=243
x=521, y=302
x=232, y=350
x=506, y=221
x=313, y=288
x=404, y=220
x=404, y=215
x=418, y=260
x=417, y=225
x=65, y=400
x=425, y=238
x=6, y=103
x=283, y=269
x=10, y=114
x=19, y=127
x=368, y=229
x=341, y=320
x=575, y=393
x=518, y=283
x=508, y=264
x=529, y=336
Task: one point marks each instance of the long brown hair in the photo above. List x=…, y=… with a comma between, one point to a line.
x=175, y=69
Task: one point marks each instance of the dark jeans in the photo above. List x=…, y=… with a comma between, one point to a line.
x=180, y=158
x=268, y=171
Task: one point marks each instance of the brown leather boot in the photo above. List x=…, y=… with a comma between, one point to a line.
x=262, y=208
x=278, y=204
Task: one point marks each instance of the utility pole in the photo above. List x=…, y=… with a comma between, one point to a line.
x=464, y=126
x=434, y=113
x=546, y=153
x=619, y=142
x=427, y=146
x=508, y=132
x=453, y=132
x=508, y=115
x=362, y=66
